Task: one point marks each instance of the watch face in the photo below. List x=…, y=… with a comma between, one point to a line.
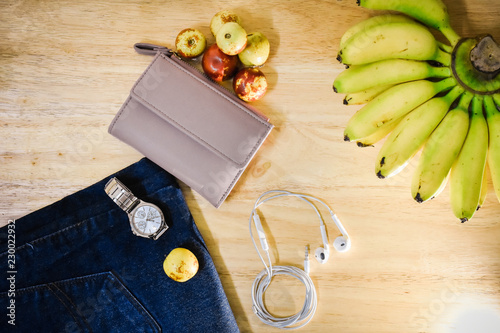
x=147, y=219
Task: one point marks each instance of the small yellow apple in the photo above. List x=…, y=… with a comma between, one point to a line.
x=257, y=50
x=180, y=265
x=190, y=43
x=231, y=38
x=222, y=17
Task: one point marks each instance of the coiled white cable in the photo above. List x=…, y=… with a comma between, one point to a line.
x=301, y=318
x=264, y=279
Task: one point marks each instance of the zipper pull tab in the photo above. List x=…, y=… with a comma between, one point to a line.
x=151, y=49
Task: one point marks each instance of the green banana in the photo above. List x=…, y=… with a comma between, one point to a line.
x=411, y=133
x=496, y=98
x=466, y=176
x=363, y=97
x=467, y=75
x=383, y=72
x=432, y=13
x=391, y=105
x=446, y=48
x=493, y=119
x=381, y=133
x=440, y=151
x=371, y=22
x=484, y=187
x=391, y=41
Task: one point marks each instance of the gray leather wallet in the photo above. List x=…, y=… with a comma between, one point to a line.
x=189, y=125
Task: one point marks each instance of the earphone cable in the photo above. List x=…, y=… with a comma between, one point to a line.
x=301, y=318
x=264, y=279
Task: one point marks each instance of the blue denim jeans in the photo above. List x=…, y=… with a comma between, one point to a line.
x=77, y=267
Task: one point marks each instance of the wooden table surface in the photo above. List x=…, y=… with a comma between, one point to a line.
x=67, y=66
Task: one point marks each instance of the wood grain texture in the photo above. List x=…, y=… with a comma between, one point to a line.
x=67, y=66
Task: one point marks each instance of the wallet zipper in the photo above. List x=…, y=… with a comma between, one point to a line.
x=152, y=49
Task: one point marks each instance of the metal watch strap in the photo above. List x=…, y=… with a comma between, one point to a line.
x=120, y=194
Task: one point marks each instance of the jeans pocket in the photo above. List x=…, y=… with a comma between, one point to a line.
x=91, y=303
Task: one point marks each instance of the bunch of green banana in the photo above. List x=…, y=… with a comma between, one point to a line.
x=423, y=95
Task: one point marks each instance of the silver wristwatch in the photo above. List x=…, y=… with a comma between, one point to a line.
x=146, y=219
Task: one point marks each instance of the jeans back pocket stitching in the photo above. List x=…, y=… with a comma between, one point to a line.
x=106, y=276
x=135, y=303
x=118, y=285
x=68, y=308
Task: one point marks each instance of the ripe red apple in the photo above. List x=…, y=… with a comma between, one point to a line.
x=257, y=50
x=190, y=43
x=250, y=84
x=218, y=65
x=222, y=17
x=231, y=38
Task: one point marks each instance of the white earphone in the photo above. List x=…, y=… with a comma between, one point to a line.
x=262, y=281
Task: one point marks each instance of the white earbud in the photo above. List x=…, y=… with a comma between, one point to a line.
x=342, y=244
x=323, y=253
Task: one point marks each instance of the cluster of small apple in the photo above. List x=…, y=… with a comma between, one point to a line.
x=234, y=55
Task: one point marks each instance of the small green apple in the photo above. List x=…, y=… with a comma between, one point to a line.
x=257, y=50
x=190, y=43
x=231, y=38
x=222, y=17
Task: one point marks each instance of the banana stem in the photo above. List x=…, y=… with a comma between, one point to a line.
x=453, y=94
x=477, y=104
x=489, y=106
x=446, y=48
x=443, y=57
x=451, y=35
x=465, y=101
x=496, y=98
